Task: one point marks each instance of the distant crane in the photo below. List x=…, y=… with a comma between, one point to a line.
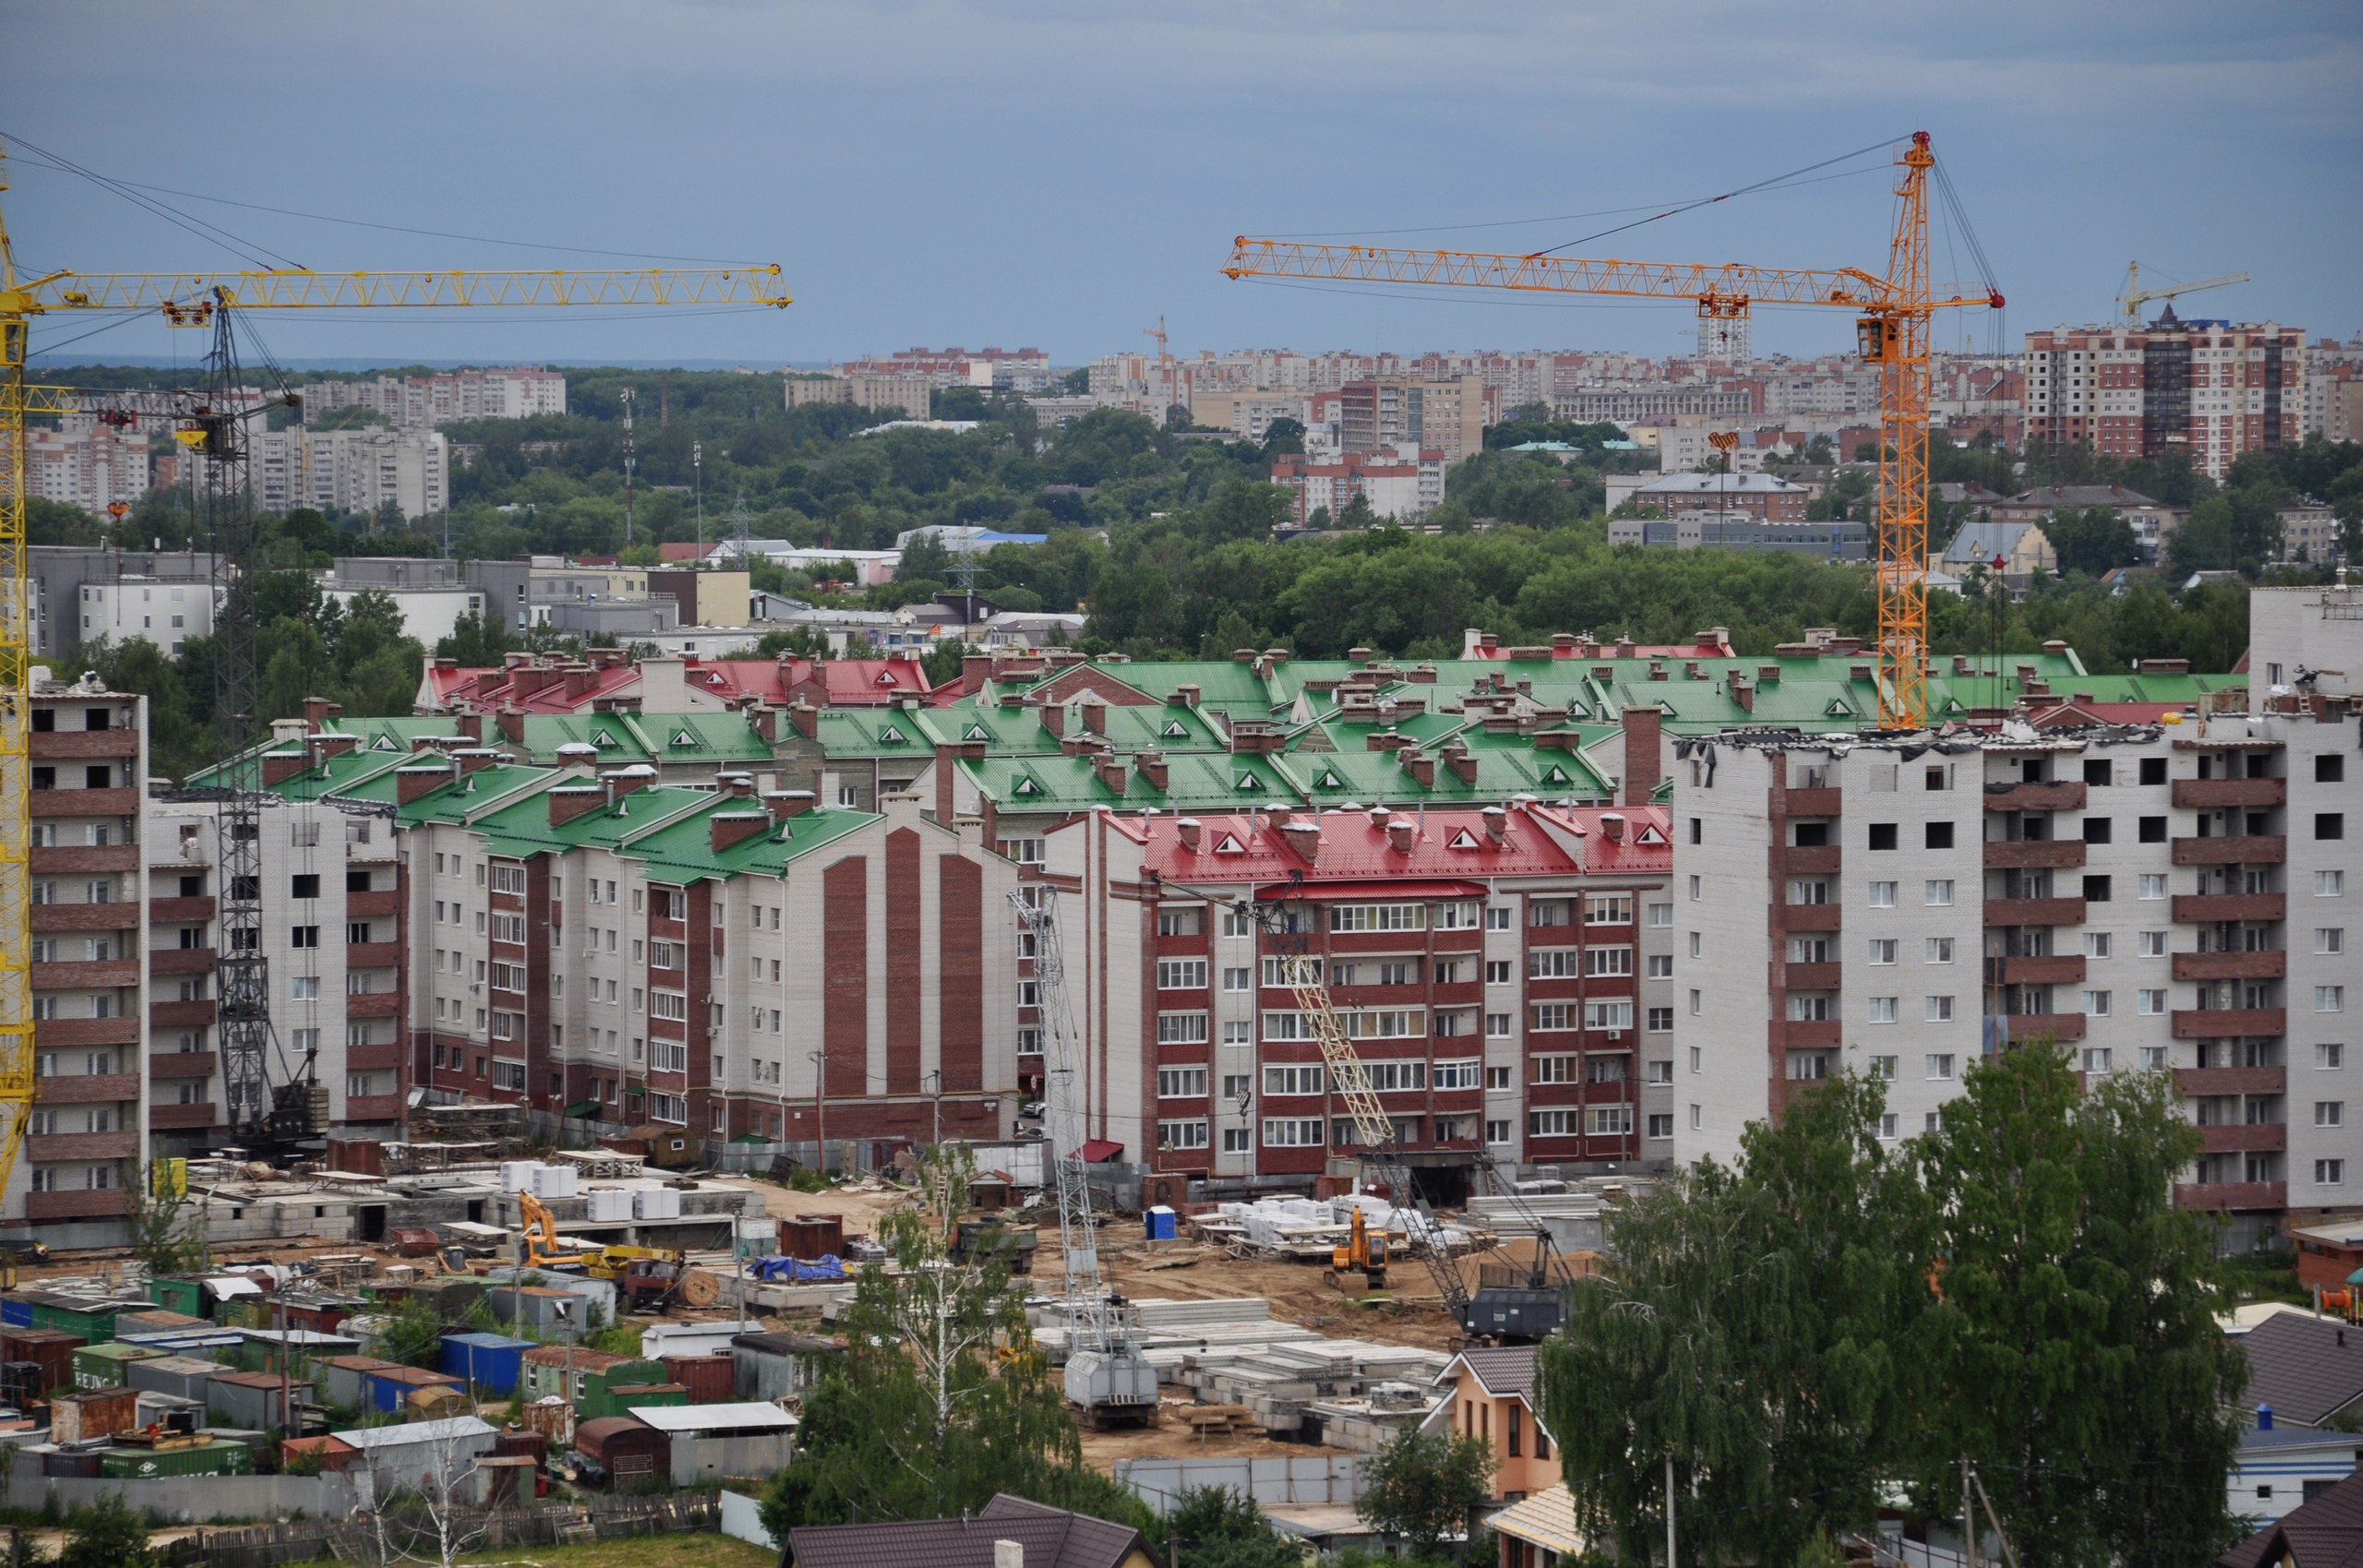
x=1106, y=1376
x=2135, y=296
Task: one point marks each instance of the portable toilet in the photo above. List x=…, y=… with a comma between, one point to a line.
x=1162, y=1224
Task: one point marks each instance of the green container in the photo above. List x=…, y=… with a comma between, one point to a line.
x=216, y=1458
x=597, y=1396
x=100, y=1366
x=178, y=1295
x=95, y=1325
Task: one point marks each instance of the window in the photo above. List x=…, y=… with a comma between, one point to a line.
x=2329, y=1058
x=2151, y=830
x=1460, y=916
x=1293, y=1079
x=1660, y=1125
x=1388, y=1077
x=1497, y=972
x=1808, y=890
x=2150, y=1002
x=508, y=878
x=1808, y=1066
x=2096, y=890
x=308, y=885
x=1187, y=922
x=1547, y=912
x=2096, y=1004
x=1608, y=909
x=1237, y=1032
x=2097, y=830
x=1882, y=835
x=1883, y=1069
x=1554, y=1068
x=2097, y=944
x=1696, y=948
x=1882, y=950
x=509, y=1075
x=2154, y=769
x=2330, y=999
x=1882, y=1010
x=1936, y=1010
x=1550, y=964
x=1181, y=1029
x=2329, y=824
x=304, y=987
x=1237, y=922
x=1660, y=1021
x=1611, y=1121
x=1378, y=918
x=1938, y=891
x=1661, y=915
x=2330, y=1113
x=2152, y=884
x=673, y=1108
x=1182, y=974
x=1661, y=966
x=1497, y=1132
x=2096, y=1060
x=1553, y=1015
x=1498, y=918
x=2150, y=944
x=1697, y=1004
x=1552, y=1123
x=1459, y=1074
x=1610, y=961
x=2328, y=884
x=304, y=936
x=1181, y=1135
x=2330, y=939
x=2330, y=768
x=1938, y=836
x=1610, y=1014
x=1696, y=1122
x=1697, y=830
x=1698, y=889
x=1180, y=1083
x=1292, y=1133
x=1497, y=1080
x=1940, y=950
x=665, y=955
x=1940, y=1064
x=1698, y=1061
x=1882, y=895
x=1497, y=1026
x=1238, y=1141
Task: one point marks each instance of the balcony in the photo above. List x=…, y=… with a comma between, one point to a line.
x=372, y=955
x=104, y=1203
x=2260, y=1138
x=181, y=911
x=373, y=1004
x=1807, y=1034
x=86, y=974
x=1811, y=917
x=69, y=859
x=2201, y=1083
x=181, y=961
x=2216, y=908
x=2034, y=911
x=2065, y=1027
x=2211, y=794
x=2232, y=849
x=86, y=1088
x=2231, y=1194
x=373, y=1108
x=85, y=916
x=83, y=802
x=183, y=1064
x=50, y=1033
x=2014, y=855
x=50, y=1147
x=1806, y=860
x=2050, y=969
x=379, y=1057
x=2224, y=1023
x=2231, y=965
x=181, y=1015
x=384, y=902
x=1812, y=802
x=167, y=1117
x=1810, y=977
x=65, y=745
x=2061, y=797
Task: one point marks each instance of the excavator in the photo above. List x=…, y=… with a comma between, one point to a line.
x=647, y=1279
x=1364, y=1253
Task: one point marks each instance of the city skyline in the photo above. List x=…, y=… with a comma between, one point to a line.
x=1057, y=176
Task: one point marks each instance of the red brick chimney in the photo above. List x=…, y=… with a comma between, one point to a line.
x=510, y=723
x=727, y=828
x=1054, y=718
x=1303, y=837
x=416, y=778
x=764, y=719
x=806, y=718
x=1110, y=769
x=1153, y=768
x=786, y=803
x=1612, y=826
x=470, y=724
x=1644, y=728
x=472, y=758
x=1094, y=714
x=1401, y=834
x=1497, y=824
x=569, y=801
x=327, y=746
x=279, y=766
x=621, y=782
x=318, y=710
x=1190, y=832
x=1464, y=766
x=1419, y=765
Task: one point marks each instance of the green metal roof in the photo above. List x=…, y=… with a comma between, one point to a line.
x=1195, y=782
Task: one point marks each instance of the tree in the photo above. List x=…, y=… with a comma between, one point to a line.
x=107, y=1534
x=1282, y=437
x=166, y=1234
x=2082, y=1369
x=414, y=1333
x=1423, y=1486
x=924, y=556
x=2092, y=541
x=423, y=1515
x=1217, y=1527
x=475, y=642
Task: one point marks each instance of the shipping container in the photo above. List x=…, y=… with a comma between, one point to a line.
x=597, y=1396
x=180, y=1296
x=81, y=1466
x=710, y=1380
x=489, y=1361
x=93, y=1320
x=207, y=1457
x=342, y=1378
x=100, y=1366
x=16, y=1311
x=807, y=1237
x=630, y=1451
x=388, y=1388
x=99, y=1412
x=206, y=1344
x=184, y=1377
x=127, y=1324
x=624, y=1400
x=254, y=1400
x=52, y=1350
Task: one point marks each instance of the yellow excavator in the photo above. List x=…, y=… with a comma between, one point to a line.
x=1364, y=1253
x=646, y=1278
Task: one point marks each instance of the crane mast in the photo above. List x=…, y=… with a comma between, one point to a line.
x=1106, y=1374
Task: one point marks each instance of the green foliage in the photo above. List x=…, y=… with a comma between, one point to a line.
x=1216, y=1527
x=414, y=1333
x=166, y=1234
x=2092, y=541
x=106, y=1533
x=1423, y=1486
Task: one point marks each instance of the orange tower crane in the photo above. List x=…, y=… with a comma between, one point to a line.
x=1892, y=331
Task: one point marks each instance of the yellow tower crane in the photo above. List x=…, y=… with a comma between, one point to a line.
x=191, y=300
x=1892, y=331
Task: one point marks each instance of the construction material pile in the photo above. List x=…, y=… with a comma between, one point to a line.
x=1308, y=1229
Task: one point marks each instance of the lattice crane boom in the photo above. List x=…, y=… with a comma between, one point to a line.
x=211, y=426
x=1892, y=332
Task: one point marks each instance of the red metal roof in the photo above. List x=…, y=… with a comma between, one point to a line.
x=1095, y=1150
x=1381, y=890
x=1449, y=844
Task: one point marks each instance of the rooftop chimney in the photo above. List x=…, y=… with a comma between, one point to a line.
x=1497, y=824
x=786, y=803
x=1463, y=765
x=1183, y=696
x=1110, y=770
x=1094, y=714
x=510, y=722
x=727, y=828
x=1644, y=732
x=279, y=766
x=415, y=779
x=470, y=724
x=1304, y=837
x=1054, y=718
x=1400, y=836
x=1190, y=832
x=569, y=801
x=806, y=718
x=1612, y=826
x=1153, y=768
x=318, y=710
x=1419, y=765
x=621, y=782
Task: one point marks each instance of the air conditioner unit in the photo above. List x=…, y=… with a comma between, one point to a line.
x=474, y=987
x=1616, y=1033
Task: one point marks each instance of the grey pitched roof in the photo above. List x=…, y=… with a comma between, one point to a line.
x=1052, y=1537
x=2299, y=1365
x=1983, y=541
x=2325, y=1533
x=1504, y=1369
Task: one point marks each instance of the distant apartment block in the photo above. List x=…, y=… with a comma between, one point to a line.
x=1401, y=413
x=987, y=369
x=420, y=403
x=93, y=467
x=1723, y=337
x=1625, y=404
x=1247, y=414
x=1404, y=486
x=1710, y=530
x=2209, y=391
x=349, y=470
x=907, y=395
x=1768, y=498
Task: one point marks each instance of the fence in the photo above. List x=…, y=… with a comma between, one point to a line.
x=358, y=1539
x=1334, y=1478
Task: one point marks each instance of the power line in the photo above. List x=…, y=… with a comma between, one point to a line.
x=249, y=251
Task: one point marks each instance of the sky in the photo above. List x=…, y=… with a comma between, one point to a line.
x=1062, y=175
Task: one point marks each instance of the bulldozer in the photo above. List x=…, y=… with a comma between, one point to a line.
x=1364, y=1256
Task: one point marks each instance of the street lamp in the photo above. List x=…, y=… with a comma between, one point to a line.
x=820, y=1109
x=938, y=1075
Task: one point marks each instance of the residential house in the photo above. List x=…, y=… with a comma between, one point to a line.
x=1492, y=1400
x=2327, y=1532
x=2279, y=1470
x=2330, y=1253
x=1539, y=1532
x=2307, y=1370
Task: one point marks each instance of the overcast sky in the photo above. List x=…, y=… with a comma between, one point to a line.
x=1059, y=174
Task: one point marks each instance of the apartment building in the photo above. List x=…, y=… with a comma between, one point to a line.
x=353, y=471
x=2163, y=897
x=1504, y=972
x=1404, y=486
x=906, y=395
x=2208, y=390
x=1401, y=413
x=417, y=402
x=333, y=932
x=92, y=466
x=61, y=573
x=164, y=611
x=739, y=964
x=87, y=768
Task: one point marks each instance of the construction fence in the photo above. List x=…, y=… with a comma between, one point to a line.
x=397, y=1538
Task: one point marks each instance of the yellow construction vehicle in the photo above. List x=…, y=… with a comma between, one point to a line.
x=544, y=1250
x=1364, y=1253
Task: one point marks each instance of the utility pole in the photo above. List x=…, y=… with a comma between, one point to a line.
x=820, y=1109
x=1669, y=1508
x=938, y=1076
x=1968, y=1518
x=630, y=463
x=697, y=489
